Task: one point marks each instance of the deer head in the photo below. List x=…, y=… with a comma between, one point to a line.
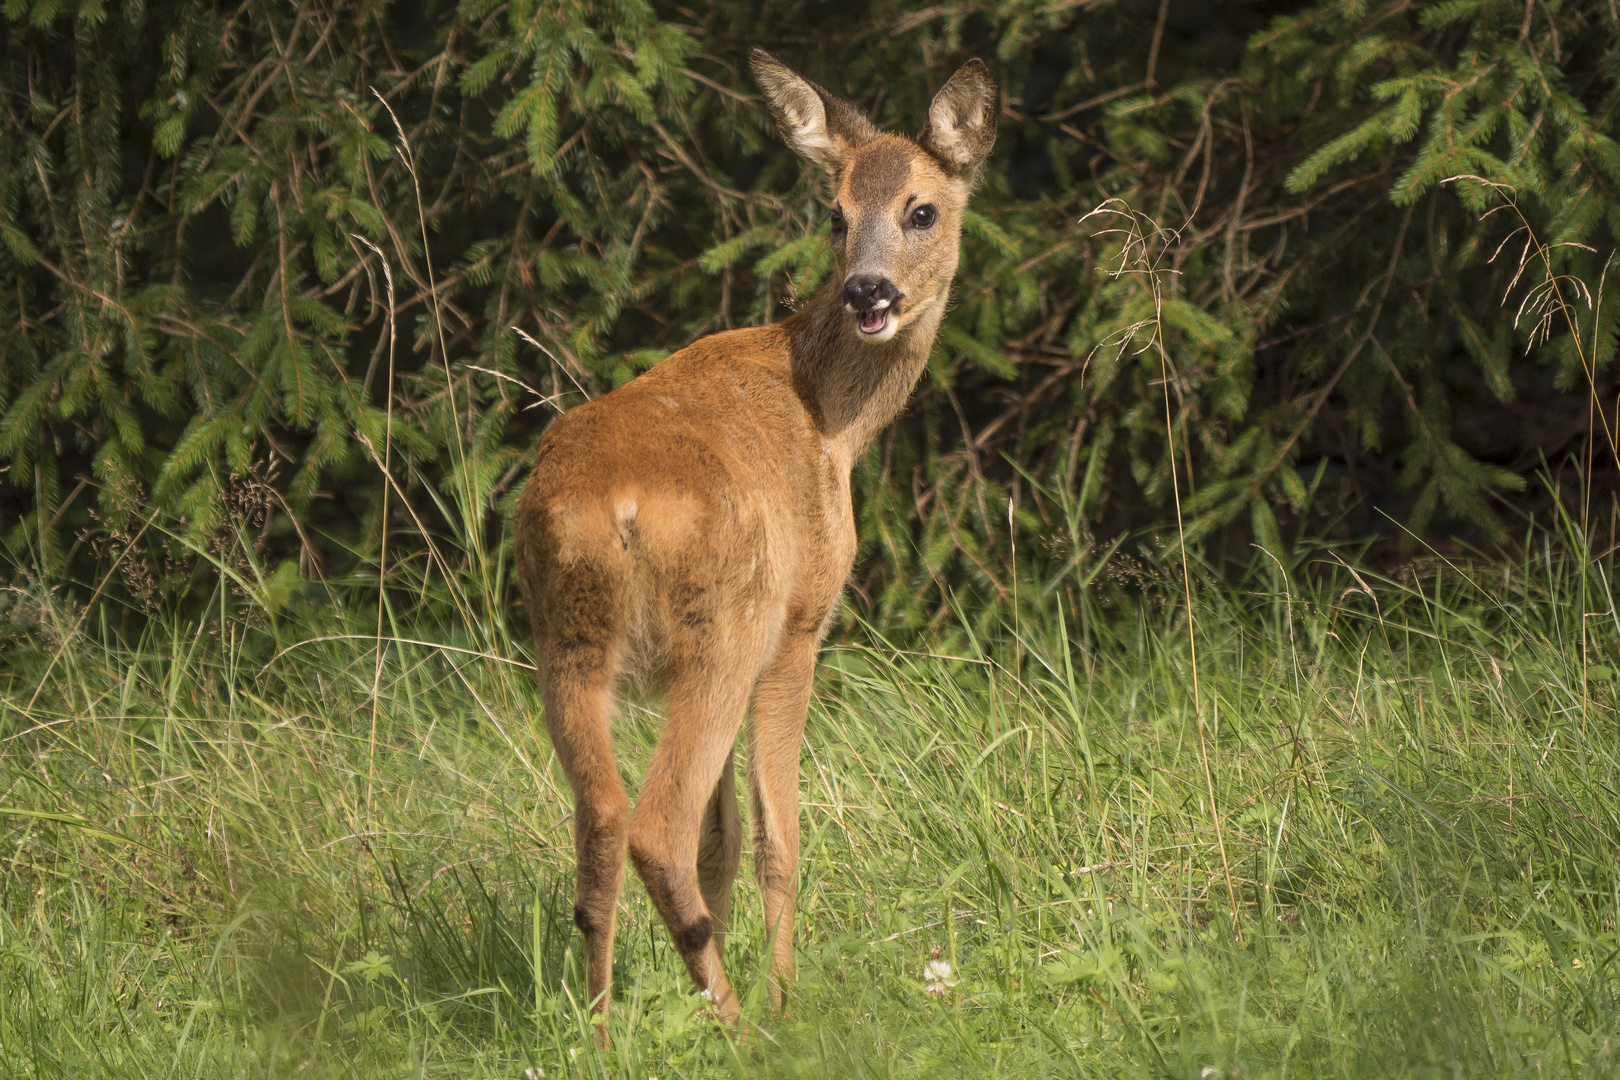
x=897, y=203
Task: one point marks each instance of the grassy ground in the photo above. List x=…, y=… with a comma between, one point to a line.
x=237, y=845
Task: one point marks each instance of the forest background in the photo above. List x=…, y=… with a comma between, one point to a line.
x=289, y=291
x=252, y=254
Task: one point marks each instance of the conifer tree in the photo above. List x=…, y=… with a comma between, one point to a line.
x=1343, y=271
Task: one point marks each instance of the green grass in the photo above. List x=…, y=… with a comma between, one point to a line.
x=223, y=855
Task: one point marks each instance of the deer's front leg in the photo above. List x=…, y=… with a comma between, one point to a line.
x=719, y=851
x=775, y=732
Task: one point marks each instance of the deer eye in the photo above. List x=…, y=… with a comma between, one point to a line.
x=923, y=217
x=837, y=220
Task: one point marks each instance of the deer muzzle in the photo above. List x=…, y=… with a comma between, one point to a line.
x=874, y=298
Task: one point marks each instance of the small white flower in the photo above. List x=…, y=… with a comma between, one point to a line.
x=937, y=974
x=534, y=1072
x=1209, y=1071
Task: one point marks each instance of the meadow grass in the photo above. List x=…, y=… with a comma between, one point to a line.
x=235, y=842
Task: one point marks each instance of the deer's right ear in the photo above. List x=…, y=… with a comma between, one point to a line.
x=817, y=126
x=962, y=119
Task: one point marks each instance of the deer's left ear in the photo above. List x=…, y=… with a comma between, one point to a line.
x=820, y=128
x=962, y=120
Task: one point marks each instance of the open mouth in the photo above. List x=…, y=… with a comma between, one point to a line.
x=876, y=320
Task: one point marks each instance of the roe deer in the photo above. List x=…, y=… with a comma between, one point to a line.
x=694, y=527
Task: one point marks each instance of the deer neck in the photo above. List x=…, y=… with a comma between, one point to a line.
x=853, y=387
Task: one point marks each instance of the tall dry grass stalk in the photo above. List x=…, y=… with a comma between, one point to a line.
x=1136, y=259
x=1551, y=299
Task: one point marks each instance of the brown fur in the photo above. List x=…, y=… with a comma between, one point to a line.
x=693, y=528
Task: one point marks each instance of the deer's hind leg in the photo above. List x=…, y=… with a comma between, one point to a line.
x=579, y=653
x=708, y=692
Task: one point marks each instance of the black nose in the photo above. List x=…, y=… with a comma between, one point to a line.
x=863, y=291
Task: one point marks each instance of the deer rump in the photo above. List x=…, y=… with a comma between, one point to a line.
x=672, y=516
